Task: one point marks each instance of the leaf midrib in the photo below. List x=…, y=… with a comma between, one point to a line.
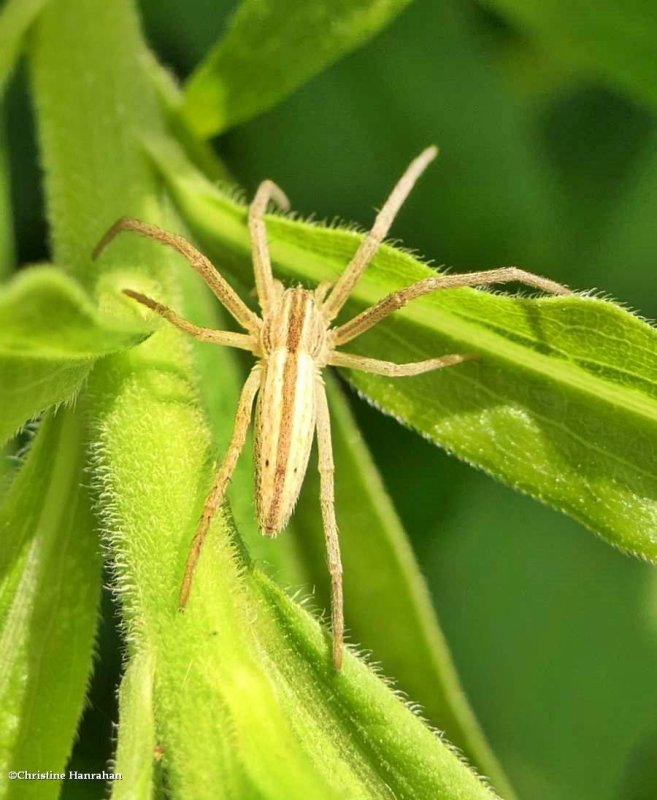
x=562, y=373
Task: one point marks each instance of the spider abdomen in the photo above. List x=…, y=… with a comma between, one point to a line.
x=284, y=431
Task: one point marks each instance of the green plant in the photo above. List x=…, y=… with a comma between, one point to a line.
x=238, y=695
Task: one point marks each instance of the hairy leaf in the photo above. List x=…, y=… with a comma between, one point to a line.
x=271, y=48
x=49, y=590
x=51, y=335
x=242, y=658
x=544, y=408
x=135, y=751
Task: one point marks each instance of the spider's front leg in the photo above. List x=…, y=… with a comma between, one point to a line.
x=242, y=341
x=395, y=300
x=265, y=284
x=343, y=287
x=222, y=290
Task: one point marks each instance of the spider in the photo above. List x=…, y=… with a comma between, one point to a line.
x=293, y=340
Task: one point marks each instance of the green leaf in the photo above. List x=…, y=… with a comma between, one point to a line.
x=545, y=408
x=112, y=175
x=49, y=590
x=271, y=48
x=16, y=17
x=245, y=699
x=135, y=749
x=50, y=337
x=605, y=39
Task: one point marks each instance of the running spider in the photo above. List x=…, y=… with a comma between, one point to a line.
x=293, y=340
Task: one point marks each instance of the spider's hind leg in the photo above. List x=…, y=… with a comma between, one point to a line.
x=327, y=497
x=221, y=481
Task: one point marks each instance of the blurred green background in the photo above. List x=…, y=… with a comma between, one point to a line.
x=545, y=165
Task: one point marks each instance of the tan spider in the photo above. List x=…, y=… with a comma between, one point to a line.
x=294, y=340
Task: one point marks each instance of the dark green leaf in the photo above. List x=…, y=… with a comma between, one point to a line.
x=614, y=41
x=271, y=48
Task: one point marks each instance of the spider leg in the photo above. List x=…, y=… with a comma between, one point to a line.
x=267, y=191
x=217, y=283
x=392, y=370
x=327, y=499
x=221, y=480
x=226, y=338
x=396, y=300
x=369, y=245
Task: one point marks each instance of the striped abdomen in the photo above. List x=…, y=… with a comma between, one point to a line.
x=293, y=343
